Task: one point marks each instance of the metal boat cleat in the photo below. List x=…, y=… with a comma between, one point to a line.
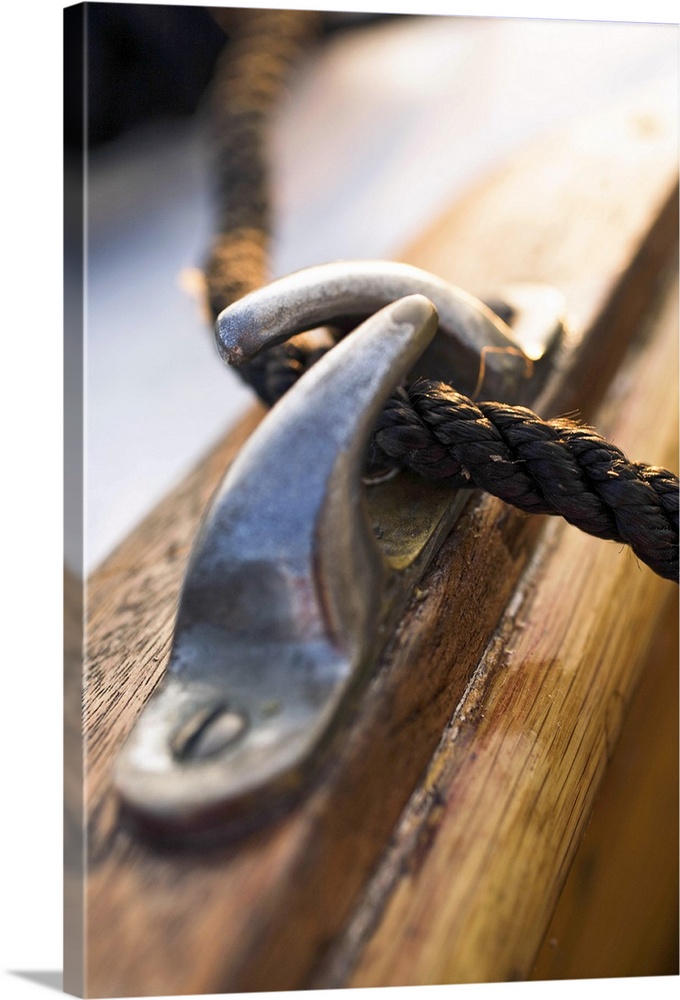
x=300, y=572
x=346, y=292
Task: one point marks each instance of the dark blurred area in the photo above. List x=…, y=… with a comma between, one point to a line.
x=144, y=62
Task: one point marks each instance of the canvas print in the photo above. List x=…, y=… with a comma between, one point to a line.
x=371, y=532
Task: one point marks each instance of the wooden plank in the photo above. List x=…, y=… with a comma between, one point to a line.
x=618, y=912
x=485, y=846
x=259, y=914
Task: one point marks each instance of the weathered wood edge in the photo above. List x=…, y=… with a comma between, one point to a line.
x=617, y=914
x=494, y=541
x=442, y=908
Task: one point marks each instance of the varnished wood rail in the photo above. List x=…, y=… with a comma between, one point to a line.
x=526, y=676
x=618, y=912
x=483, y=849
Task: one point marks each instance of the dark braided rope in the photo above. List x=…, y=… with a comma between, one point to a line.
x=541, y=467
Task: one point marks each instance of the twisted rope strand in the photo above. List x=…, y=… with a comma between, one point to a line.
x=554, y=467
x=249, y=82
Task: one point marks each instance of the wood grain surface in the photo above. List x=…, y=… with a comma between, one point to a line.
x=618, y=912
x=593, y=212
x=484, y=848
